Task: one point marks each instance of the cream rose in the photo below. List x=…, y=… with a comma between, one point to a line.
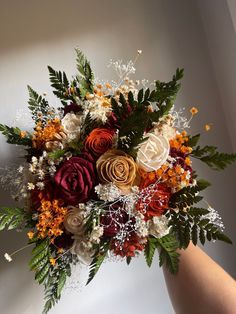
x=158, y=226
x=83, y=249
x=72, y=124
x=153, y=153
x=118, y=168
x=74, y=220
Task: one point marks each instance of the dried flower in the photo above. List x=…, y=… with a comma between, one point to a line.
x=207, y=127
x=194, y=110
x=30, y=235
x=8, y=257
x=52, y=261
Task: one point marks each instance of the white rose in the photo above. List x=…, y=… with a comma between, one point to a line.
x=74, y=220
x=153, y=153
x=72, y=124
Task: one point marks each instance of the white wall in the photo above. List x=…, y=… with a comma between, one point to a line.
x=171, y=34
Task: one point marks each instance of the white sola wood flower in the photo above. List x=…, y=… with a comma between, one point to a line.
x=72, y=124
x=158, y=226
x=153, y=153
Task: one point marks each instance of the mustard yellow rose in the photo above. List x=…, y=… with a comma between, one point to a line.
x=117, y=167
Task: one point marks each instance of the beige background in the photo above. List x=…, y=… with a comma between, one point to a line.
x=197, y=35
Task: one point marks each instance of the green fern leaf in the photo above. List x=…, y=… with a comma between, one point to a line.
x=150, y=250
x=213, y=158
x=168, y=255
x=13, y=135
x=85, y=77
x=12, y=218
x=61, y=85
x=97, y=262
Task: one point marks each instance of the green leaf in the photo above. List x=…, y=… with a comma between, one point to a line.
x=167, y=92
x=130, y=98
x=222, y=237
x=12, y=218
x=213, y=158
x=128, y=259
x=61, y=86
x=41, y=275
x=56, y=280
x=140, y=96
x=196, y=211
x=39, y=107
x=193, y=140
x=39, y=247
x=57, y=154
x=150, y=250
x=85, y=77
x=97, y=262
x=13, y=135
x=40, y=255
x=88, y=125
x=61, y=282
x=194, y=224
x=202, y=184
x=188, y=196
x=194, y=234
x=168, y=255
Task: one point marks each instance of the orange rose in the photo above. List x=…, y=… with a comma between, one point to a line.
x=157, y=203
x=99, y=141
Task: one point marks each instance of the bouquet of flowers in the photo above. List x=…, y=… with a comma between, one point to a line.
x=109, y=173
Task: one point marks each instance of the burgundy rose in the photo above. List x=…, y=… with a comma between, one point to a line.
x=114, y=220
x=112, y=121
x=76, y=179
x=72, y=107
x=64, y=241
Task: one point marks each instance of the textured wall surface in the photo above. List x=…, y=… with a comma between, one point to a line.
x=171, y=34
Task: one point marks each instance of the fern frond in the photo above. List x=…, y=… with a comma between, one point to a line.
x=12, y=218
x=213, y=158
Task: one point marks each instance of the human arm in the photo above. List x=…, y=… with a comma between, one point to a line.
x=201, y=285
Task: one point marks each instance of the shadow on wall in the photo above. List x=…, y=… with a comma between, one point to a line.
x=31, y=22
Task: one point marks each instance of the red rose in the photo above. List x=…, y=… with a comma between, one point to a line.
x=129, y=246
x=99, y=141
x=157, y=203
x=76, y=179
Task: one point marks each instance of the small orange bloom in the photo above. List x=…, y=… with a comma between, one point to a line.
x=30, y=235
x=188, y=161
x=53, y=261
x=207, y=127
x=22, y=134
x=108, y=86
x=99, y=86
x=194, y=110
